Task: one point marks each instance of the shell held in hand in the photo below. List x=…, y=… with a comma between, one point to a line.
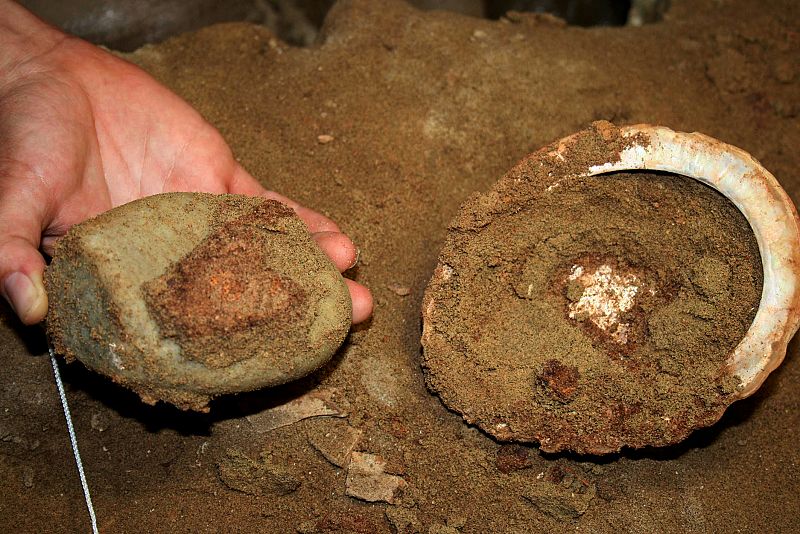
x=185, y=296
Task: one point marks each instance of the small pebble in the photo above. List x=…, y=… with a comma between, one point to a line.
x=99, y=421
x=399, y=289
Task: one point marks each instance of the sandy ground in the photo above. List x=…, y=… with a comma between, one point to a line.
x=425, y=109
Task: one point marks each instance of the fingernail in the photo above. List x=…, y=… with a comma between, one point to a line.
x=358, y=256
x=23, y=294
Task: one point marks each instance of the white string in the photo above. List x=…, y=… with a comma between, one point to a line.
x=73, y=439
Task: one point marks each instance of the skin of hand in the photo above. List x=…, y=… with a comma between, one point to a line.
x=81, y=132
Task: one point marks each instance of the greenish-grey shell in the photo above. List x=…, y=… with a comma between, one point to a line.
x=185, y=296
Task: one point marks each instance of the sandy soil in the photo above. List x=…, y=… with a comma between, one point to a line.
x=425, y=109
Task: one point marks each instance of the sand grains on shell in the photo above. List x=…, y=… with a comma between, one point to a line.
x=184, y=296
x=590, y=313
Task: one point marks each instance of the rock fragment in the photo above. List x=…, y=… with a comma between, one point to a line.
x=399, y=289
x=513, y=458
x=255, y=477
x=562, y=493
x=368, y=481
x=559, y=381
x=100, y=421
x=334, y=439
x=315, y=403
x=28, y=477
x=403, y=520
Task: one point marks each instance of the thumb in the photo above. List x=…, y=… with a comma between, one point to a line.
x=21, y=264
x=22, y=267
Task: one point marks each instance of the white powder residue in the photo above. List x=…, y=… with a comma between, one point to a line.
x=606, y=296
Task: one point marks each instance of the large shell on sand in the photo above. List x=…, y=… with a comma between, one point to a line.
x=184, y=296
x=509, y=408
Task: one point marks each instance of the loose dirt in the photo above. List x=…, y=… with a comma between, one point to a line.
x=425, y=109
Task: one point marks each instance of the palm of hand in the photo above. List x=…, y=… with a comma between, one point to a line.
x=84, y=132
x=92, y=132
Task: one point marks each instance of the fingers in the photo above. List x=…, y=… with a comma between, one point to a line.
x=338, y=248
x=362, y=301
x=344, y=255
x=242, y=183
x=336, y=245
x=48, y=244
x=315, y=221
x=21, y=270
x=22, y=210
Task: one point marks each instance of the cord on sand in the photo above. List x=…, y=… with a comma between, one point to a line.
x=73, y=440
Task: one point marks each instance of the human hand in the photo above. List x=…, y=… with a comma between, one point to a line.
x=81, y=132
